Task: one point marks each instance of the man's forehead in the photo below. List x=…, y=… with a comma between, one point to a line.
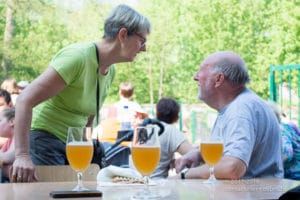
x=206, y=63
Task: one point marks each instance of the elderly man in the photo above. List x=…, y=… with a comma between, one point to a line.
x=248, y=127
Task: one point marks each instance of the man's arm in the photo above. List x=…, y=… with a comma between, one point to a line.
x=185, y=147
x=190, y=159
x=228, y=168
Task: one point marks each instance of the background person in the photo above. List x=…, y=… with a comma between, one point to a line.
x=250, y=131
x=5, y=102
x=65, y=94
x=290, y=145
x=5, y=99
x=22, y=85
x=7, y=151
x=171, y=140
x=139, y=115
x=125, y=109
x=10, y=85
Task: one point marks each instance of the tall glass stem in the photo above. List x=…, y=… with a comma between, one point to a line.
x=146, y=180
x=79, y=181
x=211, y=172
x=145, y=194
x=212, y=179
x=146, y=183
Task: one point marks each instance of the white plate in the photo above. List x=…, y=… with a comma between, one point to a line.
x=104, y=184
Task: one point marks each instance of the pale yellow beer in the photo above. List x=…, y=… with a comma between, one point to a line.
x=145, y=159
x=211, y=152
x=79, y=155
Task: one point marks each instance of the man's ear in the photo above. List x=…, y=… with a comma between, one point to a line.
x=219, y=79
x=122, y=35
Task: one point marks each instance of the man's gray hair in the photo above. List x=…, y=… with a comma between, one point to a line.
x=124, y=16
x=233, y=68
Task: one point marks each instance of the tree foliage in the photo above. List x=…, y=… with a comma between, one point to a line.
x=264, y=33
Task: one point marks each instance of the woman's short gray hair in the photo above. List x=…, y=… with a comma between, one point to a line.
x=124, y=16
x=234, y=70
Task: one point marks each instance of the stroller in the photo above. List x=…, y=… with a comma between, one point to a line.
x=106, y=153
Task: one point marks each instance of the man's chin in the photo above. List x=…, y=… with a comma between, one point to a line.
x=199, y=96
x=131, y=59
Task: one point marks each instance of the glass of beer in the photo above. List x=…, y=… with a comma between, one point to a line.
x=79, y=150
x=211, y=149
x=145, y=152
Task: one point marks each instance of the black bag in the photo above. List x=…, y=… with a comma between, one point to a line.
x=99, y=154
x=99, y=151
x=114, y=154
x=110, y=154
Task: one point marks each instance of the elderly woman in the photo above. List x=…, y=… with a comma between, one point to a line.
x=67, y=93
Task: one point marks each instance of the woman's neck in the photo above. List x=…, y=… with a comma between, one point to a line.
x=107, y=55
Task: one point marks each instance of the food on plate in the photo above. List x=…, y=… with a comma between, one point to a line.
x=128, y=180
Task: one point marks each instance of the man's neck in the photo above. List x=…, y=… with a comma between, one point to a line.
x=226, y=97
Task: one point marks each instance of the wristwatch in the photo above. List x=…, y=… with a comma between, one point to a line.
x=183, y=172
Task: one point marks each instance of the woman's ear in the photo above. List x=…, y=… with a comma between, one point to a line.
x=122, y=35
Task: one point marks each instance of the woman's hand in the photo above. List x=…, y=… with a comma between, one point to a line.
x=23, y=170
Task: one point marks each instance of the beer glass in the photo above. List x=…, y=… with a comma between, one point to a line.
x=145, y=153
x=79, y=150
x=211, y=149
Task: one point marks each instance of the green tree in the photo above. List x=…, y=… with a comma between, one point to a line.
x=183, y=33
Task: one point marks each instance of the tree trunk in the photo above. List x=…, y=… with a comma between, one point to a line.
x=151, y=82
x=161, y=77
x=8, y=35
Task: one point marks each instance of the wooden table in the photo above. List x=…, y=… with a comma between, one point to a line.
x=168, y=189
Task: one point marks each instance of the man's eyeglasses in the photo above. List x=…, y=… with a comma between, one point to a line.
x=144, y=40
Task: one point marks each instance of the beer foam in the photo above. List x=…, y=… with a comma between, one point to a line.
x=145, y=146
x=79, y=143
x=212, y=142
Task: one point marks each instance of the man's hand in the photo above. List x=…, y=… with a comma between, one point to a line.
x=191, y=159
x=23, y=170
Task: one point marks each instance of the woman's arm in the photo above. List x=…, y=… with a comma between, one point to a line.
x=45, y=86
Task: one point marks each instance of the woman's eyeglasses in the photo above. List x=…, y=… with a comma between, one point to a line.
x=144, y=40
